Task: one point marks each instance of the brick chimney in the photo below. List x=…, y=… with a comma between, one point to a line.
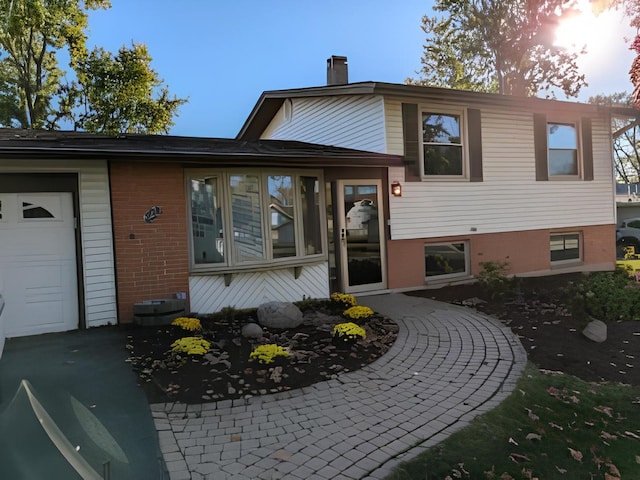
x=337, y=70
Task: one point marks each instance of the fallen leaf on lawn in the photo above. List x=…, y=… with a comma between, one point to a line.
x=533, y=436
x=610, y=477
x=529, y=474
x=555, y=425
x=613, y=469
x=603, y=409
x=590, y=424
x=637, y=458
x=632, y=435
x=607, y=436
x=561, y=470
x=461, y=467
x=577, y=455
x=517, y=458
x=506, y=476
x=511, y=440
x=574, y=399
x=532, y=415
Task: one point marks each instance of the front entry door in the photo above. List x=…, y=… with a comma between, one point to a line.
x=361, y=235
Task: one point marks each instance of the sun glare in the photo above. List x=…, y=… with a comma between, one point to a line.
x=587, y=30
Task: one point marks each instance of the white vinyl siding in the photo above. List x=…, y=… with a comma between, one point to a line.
x=351, y=122
x=509, y=198
x=96, y=232
x=209, y=294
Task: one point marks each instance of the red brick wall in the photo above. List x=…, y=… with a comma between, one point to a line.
x=152, y=259
x=526, y=252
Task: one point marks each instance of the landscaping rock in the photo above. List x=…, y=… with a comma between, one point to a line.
x=252, y=330
x=596, y=330
x=279, y=315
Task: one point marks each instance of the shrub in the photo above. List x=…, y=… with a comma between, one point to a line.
x=186, y=323
x=607, y=296
x=493, y=278
x=358, y=312
x=191, y=345
x=267, y=353
x=349, y=331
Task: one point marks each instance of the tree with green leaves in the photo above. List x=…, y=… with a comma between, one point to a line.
x=502, y=46
x=33, y=89
x=626, y=138
x=115, y=94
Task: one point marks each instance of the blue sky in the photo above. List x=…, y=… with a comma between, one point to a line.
x=222, y=54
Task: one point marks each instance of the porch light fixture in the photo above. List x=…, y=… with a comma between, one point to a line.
x=396, y=189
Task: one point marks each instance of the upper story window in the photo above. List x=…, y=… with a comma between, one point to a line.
x=442, y=144
x=254, y=217
x=563, y=149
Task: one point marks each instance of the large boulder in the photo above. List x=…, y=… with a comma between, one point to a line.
x=279, y=315
x=596, y=330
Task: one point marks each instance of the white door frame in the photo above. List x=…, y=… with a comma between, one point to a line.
x=345, y=247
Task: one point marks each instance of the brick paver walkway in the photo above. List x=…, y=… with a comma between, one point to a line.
x=448, y=365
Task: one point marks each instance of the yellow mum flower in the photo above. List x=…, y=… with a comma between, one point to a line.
x=191, y=345
x=358, y=312
x=267, y=353
x=349, y=330
x=344, y=298
x=191, y=324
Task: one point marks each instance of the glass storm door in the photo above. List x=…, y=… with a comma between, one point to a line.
x=361, y=235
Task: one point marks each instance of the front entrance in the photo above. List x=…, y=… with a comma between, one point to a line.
x=38, y=263
x=360, y=235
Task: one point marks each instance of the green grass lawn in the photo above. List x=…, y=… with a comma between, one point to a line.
x=552, y=427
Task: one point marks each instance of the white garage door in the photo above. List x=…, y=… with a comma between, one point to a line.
x=38, y=263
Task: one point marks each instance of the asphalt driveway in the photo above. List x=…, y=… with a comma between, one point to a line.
x=93, y=415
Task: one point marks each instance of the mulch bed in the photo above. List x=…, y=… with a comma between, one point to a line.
x=226, y=372
x=549, y=333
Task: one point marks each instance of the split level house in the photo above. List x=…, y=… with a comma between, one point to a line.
x=363, y=187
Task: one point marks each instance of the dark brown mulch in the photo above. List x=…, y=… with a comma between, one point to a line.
x=226, y=371
x=549, y=333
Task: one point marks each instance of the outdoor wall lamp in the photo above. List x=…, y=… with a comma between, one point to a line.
x=396, y=189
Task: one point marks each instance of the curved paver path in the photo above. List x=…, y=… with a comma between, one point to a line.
x=448, y=365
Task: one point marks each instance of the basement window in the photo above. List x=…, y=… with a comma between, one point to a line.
x=565, y=248
x=446, y=260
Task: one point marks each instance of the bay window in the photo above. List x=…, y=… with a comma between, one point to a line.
x=271, y=217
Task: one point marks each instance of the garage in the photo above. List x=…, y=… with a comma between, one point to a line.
x=38, y=268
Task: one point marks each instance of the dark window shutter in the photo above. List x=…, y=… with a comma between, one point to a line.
x=411, y=136
x=474, y=129
x=587, y=149
x=540, y=142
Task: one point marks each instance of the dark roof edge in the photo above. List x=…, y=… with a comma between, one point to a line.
x=139, y=147
x=271, y=100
